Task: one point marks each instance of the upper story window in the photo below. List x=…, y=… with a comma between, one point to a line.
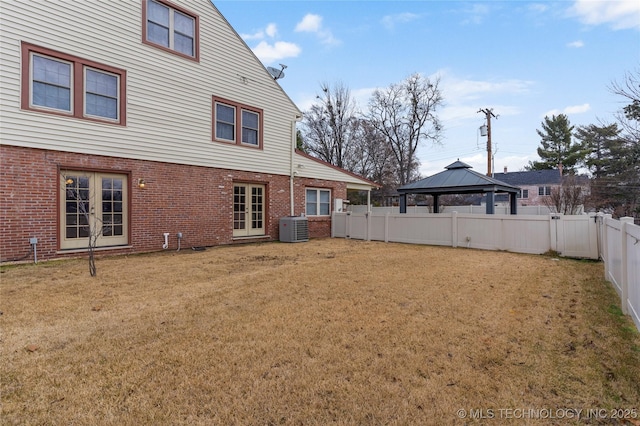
x=170, y=27
x=63, y=84
x=237, y=123
x=523, y=193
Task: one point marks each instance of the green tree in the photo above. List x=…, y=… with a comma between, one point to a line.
x=556, y=146
x=597, y=143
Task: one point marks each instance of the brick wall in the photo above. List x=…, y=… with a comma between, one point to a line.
x=197, y=201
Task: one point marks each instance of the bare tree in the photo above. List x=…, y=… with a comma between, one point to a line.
x=81, y=220
x=405, y=114
x=331, y=127
x=629, y=118
x=568, y=198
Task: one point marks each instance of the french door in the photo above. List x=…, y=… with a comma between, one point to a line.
x=93, y=205
x=248, y=210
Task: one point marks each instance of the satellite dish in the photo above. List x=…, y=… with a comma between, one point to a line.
x=277, y=73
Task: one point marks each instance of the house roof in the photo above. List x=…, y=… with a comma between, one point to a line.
x=532, y=177
x=456, y=179
x=536, y=177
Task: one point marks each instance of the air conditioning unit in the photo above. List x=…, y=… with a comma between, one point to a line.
x=294, y=229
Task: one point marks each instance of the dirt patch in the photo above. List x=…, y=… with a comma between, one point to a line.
x=328, y=331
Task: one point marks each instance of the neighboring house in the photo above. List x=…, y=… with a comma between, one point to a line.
x=159, y=118
x=536, y=185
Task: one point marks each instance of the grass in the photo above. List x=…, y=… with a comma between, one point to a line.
x=325, y=332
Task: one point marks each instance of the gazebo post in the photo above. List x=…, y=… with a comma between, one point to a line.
x=490, y=202
x=513, y=203
x=403, y=203
x=436, y=208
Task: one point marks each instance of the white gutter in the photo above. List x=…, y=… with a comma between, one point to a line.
x=292, y=172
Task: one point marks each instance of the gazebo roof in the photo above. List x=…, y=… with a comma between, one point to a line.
x=457, y=179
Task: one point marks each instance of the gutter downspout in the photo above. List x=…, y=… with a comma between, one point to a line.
x=291, y=170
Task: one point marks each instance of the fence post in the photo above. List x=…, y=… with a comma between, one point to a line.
x=592, y=227
x=624, y=221
x=605, y=247
x=367, y=217
x=553, y=230
x=386, y=227
x=454, y=229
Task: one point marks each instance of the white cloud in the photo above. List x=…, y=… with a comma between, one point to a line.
x=476, y=14
x=620, y=14
x=259, y=35
x=390, y=21
x=268, y=53
x=463, y=97
x=311, y=23
x=271, y=30
x=573, y=109
x=576, y=44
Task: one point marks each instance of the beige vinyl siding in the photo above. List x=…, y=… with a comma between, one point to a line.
x=168, y=114
x=308, y=168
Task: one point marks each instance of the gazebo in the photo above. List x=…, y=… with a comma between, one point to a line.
x=458, y=178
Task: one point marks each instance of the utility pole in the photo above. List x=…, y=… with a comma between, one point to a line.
x=488, y=112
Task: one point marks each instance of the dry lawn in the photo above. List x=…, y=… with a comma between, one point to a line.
x=325, y=332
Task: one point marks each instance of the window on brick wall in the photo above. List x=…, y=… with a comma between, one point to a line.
x=57, y=83
x=544, y=190
x=523, y=193
x=170, y=27
x=318, y=202
x=95, y=204
x=236, y=123
x=248, y=210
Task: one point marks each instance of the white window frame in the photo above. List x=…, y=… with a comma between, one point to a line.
x=85, y=91
x=234, y=123
x=256, y=129
x=172, y=29
x=95, y=213
x=318, y=203
x=32, y=80
x=77, y=91
x=544, y=191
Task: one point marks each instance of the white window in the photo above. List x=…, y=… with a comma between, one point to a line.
x=170, y=28
x=523, y=193
x=52, y=83
x=58, y=83
x=237, y=123
x=248, y=210
x=544, y=190
x=93, y=204
x=225, y=122
x=250, y=127
x=101, y=94
x=318, y=202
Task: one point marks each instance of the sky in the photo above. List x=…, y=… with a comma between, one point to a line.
x=523, y=60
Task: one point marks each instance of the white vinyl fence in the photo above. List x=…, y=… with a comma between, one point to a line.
x=620, y=251
x=536, y=210
x=571, y=236
x=581, y=236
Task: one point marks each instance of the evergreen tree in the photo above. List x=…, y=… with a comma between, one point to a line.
x=597, y=143
x=556, y=146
